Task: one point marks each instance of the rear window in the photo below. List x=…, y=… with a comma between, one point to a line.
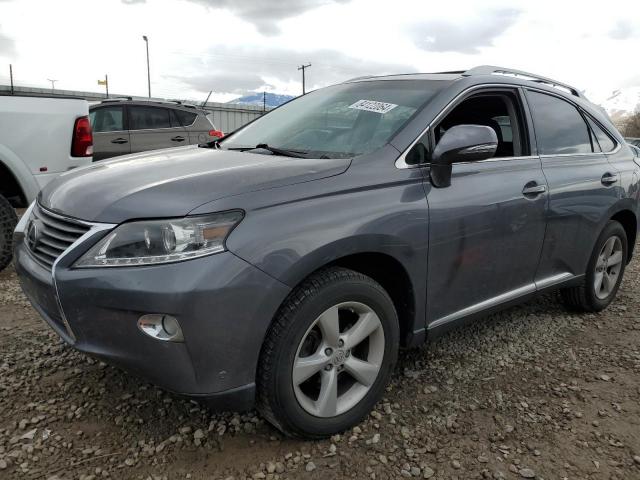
x=186, y=118
x=145, y=118
x=559, y=127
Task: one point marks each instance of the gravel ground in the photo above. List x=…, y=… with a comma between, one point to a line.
x=533, y=392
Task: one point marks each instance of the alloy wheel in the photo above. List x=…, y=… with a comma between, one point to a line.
x=338, y=359
x=608, y=267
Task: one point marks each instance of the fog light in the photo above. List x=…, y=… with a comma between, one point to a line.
x=161, y=327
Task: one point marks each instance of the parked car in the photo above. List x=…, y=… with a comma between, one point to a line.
x=633, y=141
x=285, y=265
x=123, y=126
x=39, y=139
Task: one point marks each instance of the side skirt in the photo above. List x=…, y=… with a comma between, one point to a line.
x=496, y=304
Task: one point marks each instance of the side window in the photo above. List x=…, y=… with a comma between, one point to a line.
x=560, y=129
x=499, y=111
x=186, y=118
x=142, y=118
x=107, y=119
x=605, y=141
x=174, y=119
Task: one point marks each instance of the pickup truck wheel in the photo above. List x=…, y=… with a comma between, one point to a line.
x=604, y=272
x=328, y=355
x=8, y=221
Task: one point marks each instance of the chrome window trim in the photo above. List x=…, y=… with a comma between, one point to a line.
x=401, y=161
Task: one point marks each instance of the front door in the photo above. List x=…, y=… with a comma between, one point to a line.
x=110, y=136
x=487, y=228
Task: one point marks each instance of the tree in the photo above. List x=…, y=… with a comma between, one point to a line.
x=631, y=125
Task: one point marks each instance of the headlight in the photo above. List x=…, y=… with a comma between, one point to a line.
x=161, y=241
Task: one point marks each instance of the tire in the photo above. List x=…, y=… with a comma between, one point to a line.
x=586, y=297
x=8, y=221
x=300, y=333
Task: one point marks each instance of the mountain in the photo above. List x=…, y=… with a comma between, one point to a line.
x=256, y=98
x=619, y=103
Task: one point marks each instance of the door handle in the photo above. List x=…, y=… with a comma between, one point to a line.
x=534, y=190
x=177, y=139
x=120, y=141
x=609, y=178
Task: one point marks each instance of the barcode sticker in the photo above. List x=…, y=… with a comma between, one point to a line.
x=373, y=106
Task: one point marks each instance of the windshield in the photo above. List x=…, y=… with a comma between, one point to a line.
x=341, y=121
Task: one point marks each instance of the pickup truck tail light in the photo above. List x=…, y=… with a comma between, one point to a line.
x=216, y=133
x=82, y=142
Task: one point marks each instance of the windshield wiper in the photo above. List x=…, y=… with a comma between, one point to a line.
x=280, y=151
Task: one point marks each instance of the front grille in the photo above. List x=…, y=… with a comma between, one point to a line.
x=48, y=234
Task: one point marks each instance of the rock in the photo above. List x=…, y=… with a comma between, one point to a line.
x=310, y=467
x=637, y=459
x=456, y=464
x=376, y=438
x=527, y=473
x=198, y=434
x=3, y=464
x=427, y=472
x=29, y=435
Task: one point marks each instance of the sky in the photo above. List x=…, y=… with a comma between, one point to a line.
x=236, y=46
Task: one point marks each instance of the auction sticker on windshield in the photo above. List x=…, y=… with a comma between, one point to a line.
x=373, y=106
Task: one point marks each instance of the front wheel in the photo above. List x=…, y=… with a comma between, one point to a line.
x=328, y=355
x=8, y=221
x=604, y=272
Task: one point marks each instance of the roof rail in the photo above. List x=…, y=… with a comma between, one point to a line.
x=493, y=70
x=116, y=99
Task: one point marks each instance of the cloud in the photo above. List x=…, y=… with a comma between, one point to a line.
x=262, y=67
x=7, y=45
x=227, y=82
x=623, y=30
x=464, y=37
x=264, y=15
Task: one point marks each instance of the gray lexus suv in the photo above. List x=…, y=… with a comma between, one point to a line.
x=123, y=125
x=285, y=265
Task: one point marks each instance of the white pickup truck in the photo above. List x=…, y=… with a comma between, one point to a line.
x=40, y=138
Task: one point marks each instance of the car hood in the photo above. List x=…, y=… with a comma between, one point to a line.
x=173, y=182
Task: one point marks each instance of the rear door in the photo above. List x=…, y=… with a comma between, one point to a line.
x=110, y=134
x=581, y=185
x=196, y=126
x=153, y=127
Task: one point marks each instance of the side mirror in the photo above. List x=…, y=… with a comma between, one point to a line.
x=462, y=143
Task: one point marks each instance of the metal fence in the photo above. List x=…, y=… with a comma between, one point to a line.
x=226, y=116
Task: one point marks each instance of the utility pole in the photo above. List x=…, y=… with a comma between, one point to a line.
x=146, y=41
x=53, y=83
x=11, y=77
x=264, y=102
x=303, y=68
x=105, y=82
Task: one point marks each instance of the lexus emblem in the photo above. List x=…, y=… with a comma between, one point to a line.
x=33, y=234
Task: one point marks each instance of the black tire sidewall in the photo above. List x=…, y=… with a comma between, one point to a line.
x=613, y=228
x=286, y=406
x=8, y=221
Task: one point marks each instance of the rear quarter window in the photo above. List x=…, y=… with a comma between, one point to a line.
x=186, y=118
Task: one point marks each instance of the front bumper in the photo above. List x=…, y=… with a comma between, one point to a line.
x=224, y=306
